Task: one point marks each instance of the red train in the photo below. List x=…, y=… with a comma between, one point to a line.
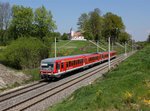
x=55, y=67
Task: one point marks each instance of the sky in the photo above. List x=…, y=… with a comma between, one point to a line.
x=135, y=13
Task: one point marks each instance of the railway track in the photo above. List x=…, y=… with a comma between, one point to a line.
x=26, y=97
x=22, y=90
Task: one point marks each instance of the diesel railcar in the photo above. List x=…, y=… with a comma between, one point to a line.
x=55, y=67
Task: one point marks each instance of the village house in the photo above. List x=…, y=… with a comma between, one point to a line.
x=76, y=35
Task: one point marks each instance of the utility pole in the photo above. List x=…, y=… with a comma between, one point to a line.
x=97, y=47
x=55, y=47
x=109, y=53
x=132, y=46
x=112, y=46
x=125, y=53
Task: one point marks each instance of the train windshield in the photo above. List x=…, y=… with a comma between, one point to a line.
x=47, y=66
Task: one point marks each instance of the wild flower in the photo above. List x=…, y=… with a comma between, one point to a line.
x=98, y=96
x=99, y=93
x=147, y=82
x=146, y=101
x=128, y=97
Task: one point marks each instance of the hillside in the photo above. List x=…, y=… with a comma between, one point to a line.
x=126, y=88
x=10, y=77
x=65, y=48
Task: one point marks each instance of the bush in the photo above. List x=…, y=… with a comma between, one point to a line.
x=25, y=53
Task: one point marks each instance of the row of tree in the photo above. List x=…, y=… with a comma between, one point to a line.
x=19, y=21
x=97, y=27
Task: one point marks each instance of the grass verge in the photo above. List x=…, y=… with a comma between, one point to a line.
x=126, y=88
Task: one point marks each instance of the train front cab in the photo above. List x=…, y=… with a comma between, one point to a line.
x=47, y=70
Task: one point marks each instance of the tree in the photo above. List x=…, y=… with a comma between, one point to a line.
x=124, y=37
x=148, y=39
x=91, y=24
x=82, y=22
x=44, y=23
x=64, y=36
x=22, y=19
x=5, y=15
x=95, y=22
x=113, y=24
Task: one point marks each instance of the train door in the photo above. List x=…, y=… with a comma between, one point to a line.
x=63, y=68
x=85, y=61
x=58, y=67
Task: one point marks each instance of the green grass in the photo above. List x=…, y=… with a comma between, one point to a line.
x=65, y=48
x=34, y=73
x=127, y=88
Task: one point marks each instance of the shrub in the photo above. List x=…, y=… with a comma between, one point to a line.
x=25, y=53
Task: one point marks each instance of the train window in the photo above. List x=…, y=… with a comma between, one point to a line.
x=47, y=65
x=81, y=61
x=62, y=65
x=74, y=62
x=69, y=63
x=57, y=66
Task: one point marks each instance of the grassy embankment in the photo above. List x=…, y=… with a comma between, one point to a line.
x=65, y=48
x=126, y=88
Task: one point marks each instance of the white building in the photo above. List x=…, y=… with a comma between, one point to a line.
x=76, y=35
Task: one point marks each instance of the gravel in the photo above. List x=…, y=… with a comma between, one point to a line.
x=9, y=77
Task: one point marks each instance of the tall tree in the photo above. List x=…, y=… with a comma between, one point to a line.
x=91, y=24
x=148, y=39
x=44, y=23
x=5, y=15
x=82, y=22
x=124, y=37
x=95, y=22
x=22, y=19
x=113, y=24
x=64, y=36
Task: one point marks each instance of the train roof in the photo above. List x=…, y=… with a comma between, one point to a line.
x=63, y=57
x=74, y=56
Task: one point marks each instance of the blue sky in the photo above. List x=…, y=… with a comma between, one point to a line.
x=135, y=13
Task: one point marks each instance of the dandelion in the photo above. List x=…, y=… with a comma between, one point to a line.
x=128, y=97
x=147, y=83
x=99, y=93
x=98, y=96
x=147, y=102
